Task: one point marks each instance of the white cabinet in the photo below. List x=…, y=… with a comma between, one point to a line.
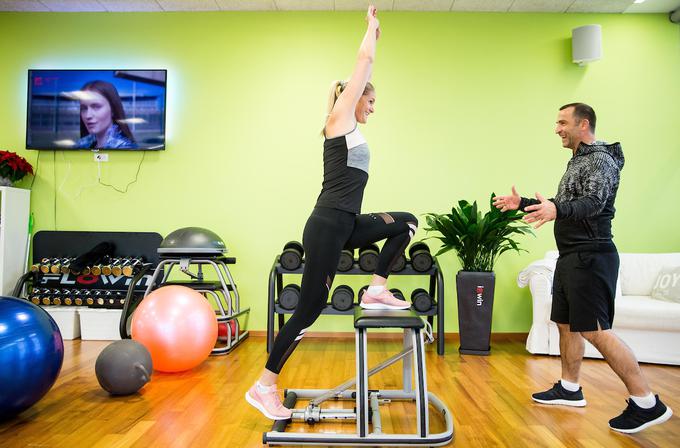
x=14, y=213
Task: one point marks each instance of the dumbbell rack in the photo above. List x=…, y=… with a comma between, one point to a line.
x=436, y=291
x=51, y=244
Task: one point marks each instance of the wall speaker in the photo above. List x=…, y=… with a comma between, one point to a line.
x=586, y=44
x=674, y=16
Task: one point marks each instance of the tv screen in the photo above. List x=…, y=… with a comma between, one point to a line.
x=96, y=109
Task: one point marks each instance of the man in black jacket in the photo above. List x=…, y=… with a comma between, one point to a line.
x=584, y=284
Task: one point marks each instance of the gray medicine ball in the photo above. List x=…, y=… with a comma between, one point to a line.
x=123, y=367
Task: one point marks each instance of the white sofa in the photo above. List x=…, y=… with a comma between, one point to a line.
x=650, y=327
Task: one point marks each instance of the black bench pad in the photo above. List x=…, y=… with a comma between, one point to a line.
x=386, y=319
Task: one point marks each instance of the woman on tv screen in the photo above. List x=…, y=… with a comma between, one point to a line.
x=102, y=118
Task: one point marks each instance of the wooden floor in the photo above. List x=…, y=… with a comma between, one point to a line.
x=489, y=398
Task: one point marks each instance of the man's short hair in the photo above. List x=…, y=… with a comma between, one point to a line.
x=581, y=111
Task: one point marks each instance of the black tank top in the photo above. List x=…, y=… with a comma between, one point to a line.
x=345, y=172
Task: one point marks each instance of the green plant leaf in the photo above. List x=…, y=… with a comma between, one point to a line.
x=477, y=239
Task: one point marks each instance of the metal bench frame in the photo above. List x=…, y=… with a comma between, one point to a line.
x=367, y=402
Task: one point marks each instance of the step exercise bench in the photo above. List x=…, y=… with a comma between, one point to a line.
x=368, y=401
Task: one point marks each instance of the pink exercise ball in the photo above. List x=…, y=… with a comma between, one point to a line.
x=177, y=325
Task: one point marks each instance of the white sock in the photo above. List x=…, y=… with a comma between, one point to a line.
x=265, y=389
x=375, y=290
x=571, y=387
x=646, y=402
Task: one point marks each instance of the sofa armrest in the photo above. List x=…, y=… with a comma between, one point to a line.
x=540, y=286
x=541, y=268
x=539, y=277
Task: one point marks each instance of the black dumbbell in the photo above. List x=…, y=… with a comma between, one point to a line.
x=346, y=260
x=342, y=298
x=289, y=297
x=396, y=292
x=399, y=263
x=368, y=258
x=421, y=300
x=291, y=256
x=361, y=292
x=421, y=258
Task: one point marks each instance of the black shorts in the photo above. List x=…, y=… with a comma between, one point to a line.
x=584, y=287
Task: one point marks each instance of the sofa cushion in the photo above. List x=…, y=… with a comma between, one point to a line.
x=638, y=272
x=667, y=286
x=643, y=312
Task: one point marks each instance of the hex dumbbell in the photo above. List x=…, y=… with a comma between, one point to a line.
x=346, y=260
x=289, y=297
x=421, y=258
x=291, y=255
x=342, y=298
x=395, y=291
x=421, y=299
x=368, y=258
x=399, y=264
x=361, y=292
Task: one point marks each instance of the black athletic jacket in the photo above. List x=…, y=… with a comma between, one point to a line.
x=585, y=199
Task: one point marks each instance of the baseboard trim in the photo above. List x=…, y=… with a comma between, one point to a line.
x=453, y=337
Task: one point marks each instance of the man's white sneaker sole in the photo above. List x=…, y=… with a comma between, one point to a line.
x=573, y=403
x=666, y=415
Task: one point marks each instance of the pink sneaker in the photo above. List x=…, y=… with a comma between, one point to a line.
x=383, y=301
x=268, y=402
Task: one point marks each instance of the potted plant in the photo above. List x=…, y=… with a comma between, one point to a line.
x=12, y=168
x=478, y=242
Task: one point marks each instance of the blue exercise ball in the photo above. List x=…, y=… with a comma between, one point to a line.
x=31, y=355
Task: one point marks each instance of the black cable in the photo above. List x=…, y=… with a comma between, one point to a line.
x=35, y=173
x=139, y=167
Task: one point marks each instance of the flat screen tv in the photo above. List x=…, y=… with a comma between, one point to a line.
x=96, y=109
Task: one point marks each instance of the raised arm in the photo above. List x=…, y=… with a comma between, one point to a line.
x=341, y=119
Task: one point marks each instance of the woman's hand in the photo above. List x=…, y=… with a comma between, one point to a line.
x=372, y=19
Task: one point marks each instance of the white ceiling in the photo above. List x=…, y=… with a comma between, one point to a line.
x=554, y=6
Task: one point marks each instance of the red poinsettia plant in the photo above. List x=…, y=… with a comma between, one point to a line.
x=13, y=166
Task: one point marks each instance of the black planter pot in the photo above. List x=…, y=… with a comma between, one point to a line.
x=475, y=309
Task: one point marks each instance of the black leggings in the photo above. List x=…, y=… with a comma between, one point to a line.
x=327, y=232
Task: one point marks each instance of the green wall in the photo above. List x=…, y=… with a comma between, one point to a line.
x=466, y=105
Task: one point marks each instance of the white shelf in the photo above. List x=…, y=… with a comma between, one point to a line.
x=14, y=213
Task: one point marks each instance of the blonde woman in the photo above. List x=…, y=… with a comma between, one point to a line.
x=336, y=222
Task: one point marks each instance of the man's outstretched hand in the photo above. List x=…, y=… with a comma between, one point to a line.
x=540, y=213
